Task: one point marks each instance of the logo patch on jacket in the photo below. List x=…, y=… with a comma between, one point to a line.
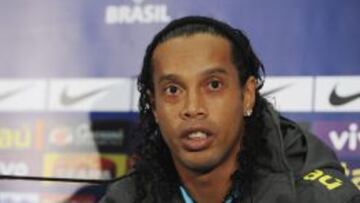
x=324, y=179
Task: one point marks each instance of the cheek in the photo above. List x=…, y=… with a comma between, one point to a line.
x=166, y=114
x=227, y=113
x=227, y=106
x=168, y=122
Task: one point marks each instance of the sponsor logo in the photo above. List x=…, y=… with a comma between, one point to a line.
x=349, y=138
x=342, y=136
x=324, y=179
x=51, y=198
x=337, y=100
x=94, y=94
x=352, y=172
x=83, y=135
x=274, y=90
x=20, y=163
x=14, y=168
x=24, y=137
x=22, y=95
x=289, y=94
x=68, y=100
x=10, y=93
x=138, y=13
x=337, y=94
x=83, y=170
x=86, y=166
x=60, y=136
x=18, y=197
x=15, y=138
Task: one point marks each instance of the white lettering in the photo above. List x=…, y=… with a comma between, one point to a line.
x=125, y=14
x=14, y=168
x=111, y=15
x=163, y=16
x=136, y=15
x=18, y=197
x=338, y=141
x=150, y=14
x=352, y=137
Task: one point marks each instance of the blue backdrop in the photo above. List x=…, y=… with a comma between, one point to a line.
x=68, y=94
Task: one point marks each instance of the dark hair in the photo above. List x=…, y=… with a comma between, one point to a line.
x=154, y=167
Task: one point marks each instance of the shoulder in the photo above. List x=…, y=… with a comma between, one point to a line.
x=326, y=185
x=122, y=190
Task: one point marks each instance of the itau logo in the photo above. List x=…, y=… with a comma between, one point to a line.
x=139, y=12
x=346, y=139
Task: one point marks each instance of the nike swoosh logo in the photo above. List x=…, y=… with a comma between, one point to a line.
x=337, y=100
x=278, y=89
x=12, y=92
x=68, y=100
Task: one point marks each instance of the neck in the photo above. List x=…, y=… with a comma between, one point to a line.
x=211, y=186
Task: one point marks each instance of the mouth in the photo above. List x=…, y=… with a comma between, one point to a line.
x=196, y=139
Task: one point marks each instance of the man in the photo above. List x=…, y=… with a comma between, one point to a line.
x=210, y=137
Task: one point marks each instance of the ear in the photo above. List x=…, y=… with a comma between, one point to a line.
x=152, y=103
x=249, y=91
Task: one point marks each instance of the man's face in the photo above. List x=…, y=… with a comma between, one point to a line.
x=198, y=101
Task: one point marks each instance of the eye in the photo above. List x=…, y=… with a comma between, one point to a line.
x=214, y=85
x=172, y=90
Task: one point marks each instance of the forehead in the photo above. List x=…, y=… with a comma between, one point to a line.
x=200, y=50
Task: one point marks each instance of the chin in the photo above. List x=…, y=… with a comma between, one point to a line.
x=202, y=165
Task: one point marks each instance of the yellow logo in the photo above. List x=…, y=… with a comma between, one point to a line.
x=326, y=180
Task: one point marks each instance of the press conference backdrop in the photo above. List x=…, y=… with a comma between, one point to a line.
x=68, y=100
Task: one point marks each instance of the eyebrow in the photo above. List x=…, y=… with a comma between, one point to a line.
x=169, y=77
x=217, y=70
x=173, y=77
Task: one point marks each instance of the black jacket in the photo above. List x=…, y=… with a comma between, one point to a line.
x=298, y=168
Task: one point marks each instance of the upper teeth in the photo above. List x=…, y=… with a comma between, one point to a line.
x=197, y=134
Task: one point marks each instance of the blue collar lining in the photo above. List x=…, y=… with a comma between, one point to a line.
x=186, y=197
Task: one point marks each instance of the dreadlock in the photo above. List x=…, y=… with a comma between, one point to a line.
x=155, y=172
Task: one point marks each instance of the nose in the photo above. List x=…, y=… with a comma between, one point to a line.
x=194, y=106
